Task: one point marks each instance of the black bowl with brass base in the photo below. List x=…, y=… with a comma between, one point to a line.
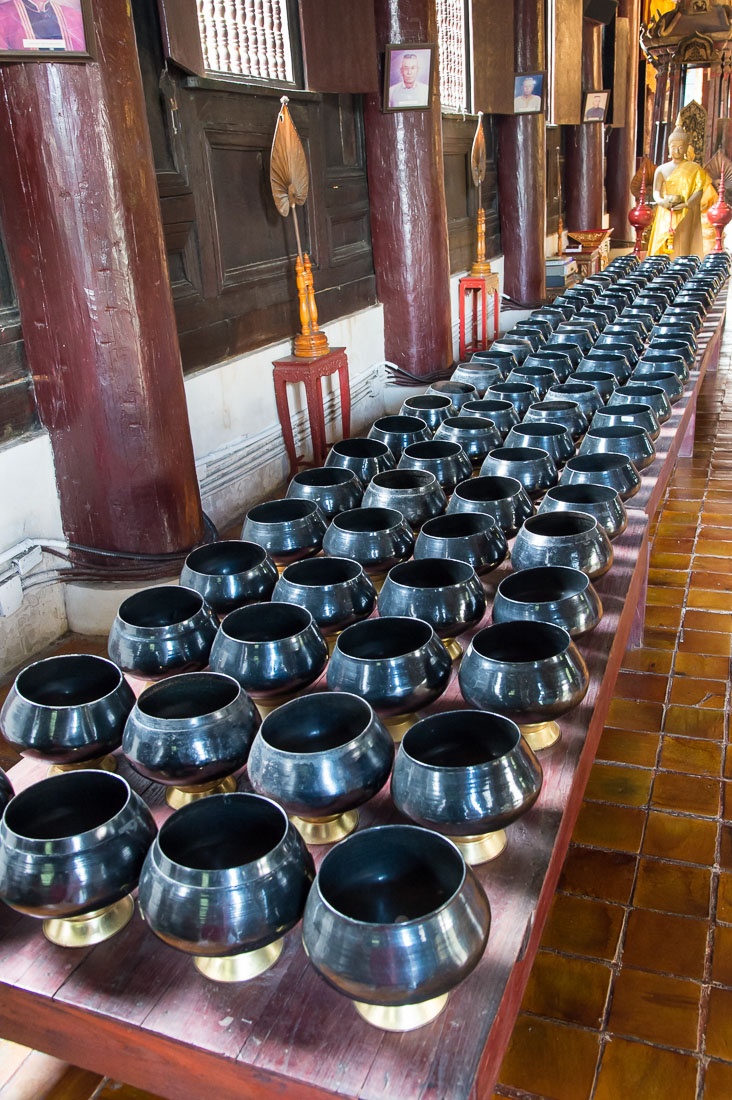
x=225, y=880
x=273, y=650
x=446, y=594
x=289, y=529
x=71, y=850
x=229, y=574
x=320, y=757
x=394, y=921
x=469, y=775
x=191, y=733
x=69, y=710
x=332, y=488
x=430, y=407
x=376, y=538
x=398, y=665
x=363, y=457
x=336, y=591
x=162, y=630
x=530, y=672
x=473, y=537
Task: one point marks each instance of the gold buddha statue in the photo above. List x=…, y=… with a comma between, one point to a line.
x=683, y=191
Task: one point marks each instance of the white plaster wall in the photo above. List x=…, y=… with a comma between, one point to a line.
x=237, y=441
x=29, y=508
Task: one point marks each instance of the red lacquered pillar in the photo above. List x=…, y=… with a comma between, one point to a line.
x=583, y=157
x=81, y=216
x=621, y=158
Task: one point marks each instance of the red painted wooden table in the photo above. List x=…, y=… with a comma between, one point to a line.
x=134, y=1009
x=311, y=372
x=477, y=288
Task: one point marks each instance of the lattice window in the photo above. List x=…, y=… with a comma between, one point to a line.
x=246, y=38
x=453, y=45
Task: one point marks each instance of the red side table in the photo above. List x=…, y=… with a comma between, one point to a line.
x=310, y=372
x=478, y=288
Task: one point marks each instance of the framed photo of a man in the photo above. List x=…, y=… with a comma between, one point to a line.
x=596, y=104
x=46, y=30
x=528, y=93
x=409, y=72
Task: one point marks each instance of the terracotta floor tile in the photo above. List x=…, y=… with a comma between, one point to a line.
x=665, y=618
x=631, y=715
x=583, y=927
x=665, y=943
x=671, y=578
x=600, y=874
x=711, y=563
x=714, y=548
x=722, y=956
x=682, y=838
x=694, y=722
x=639, y=685
x=709, y=578
x=673, y=545
x=709, y=599
x=664, y=887
x=728, y=763
x=715, y=516
x=619, y=828
x=690, y=756
x=624, y=747
x=636, y=1071
x=696, y=664
x=724, y=898
x=658, y=638
x=704, y=641
x=688, y=692
x=718, y=1081
x=718, y=508
x=725, y=847
x=716, y=532
x=567, y=988
x=661, y=559
x=678, y=506
x=727, y=800
x=668, y=529
x=648, y=660
x=686, y=794
x=656, y=1008
x=719, y=1024
x=551, y=1059
x=719, y=621
x=618, y=784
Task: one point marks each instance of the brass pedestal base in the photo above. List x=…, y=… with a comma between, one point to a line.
x=90, y=928
x=326, y=830
x=453, y=647
x=181, y=796
x=377, y=579
x=402, y=1017
x=482, y=847
x=239, y=968
x=541, y=735
x=331, y=640
x=310, y=345
x=399, y=725
x=266, y=706
x=98, y=763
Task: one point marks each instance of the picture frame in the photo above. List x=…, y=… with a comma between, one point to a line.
x=529, y=92
x=65, y=33
x=595, y=105
x=409, y=76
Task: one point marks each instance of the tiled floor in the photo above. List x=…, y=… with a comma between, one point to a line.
x=630, y=997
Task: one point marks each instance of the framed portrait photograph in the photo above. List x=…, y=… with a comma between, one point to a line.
x=46, y=30
x=409, y=73
x=528, y=93
x=595, y=106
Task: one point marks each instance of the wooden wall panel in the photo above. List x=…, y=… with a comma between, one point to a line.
x=493, y=54
x=620, y=72
x=181, y=36
x=565, y=62
x=230, y=254
x=461, y=194
x=339, y=45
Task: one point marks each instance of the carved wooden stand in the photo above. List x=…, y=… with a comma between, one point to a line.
x=310, y=372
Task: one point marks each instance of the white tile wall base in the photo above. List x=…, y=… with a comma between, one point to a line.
x=91, y=608
x=40, y=619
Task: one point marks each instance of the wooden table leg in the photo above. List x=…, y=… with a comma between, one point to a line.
x=345, y=388
x=283, y=411
x=495, y=316
x=316, y=415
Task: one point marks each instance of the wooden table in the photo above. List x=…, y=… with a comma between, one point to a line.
x=134, y=1009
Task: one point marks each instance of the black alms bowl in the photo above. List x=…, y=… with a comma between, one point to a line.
x=289, y=529
x=229, y=574
x=73, y=844
x=395, y=918
x=67, y=709
x=336, y=591
x=226, y=877
x=162, y=630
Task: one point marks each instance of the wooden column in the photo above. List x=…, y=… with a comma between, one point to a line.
x=408, y=208
x=81, y=216
x=621, y=150
x=522, y=170
x=658, y=124
x=583, y=156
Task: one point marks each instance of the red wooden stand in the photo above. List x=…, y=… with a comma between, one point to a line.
x=310, y=372
x=478, y=288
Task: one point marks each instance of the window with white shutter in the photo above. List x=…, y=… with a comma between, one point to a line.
x=453, y=39
x=246, y=38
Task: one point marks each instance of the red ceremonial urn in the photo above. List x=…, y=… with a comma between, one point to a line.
x=720, y=214
x=641, y=216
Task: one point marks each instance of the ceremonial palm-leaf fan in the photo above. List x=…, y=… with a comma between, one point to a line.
x=288, y=168
x=477, y=154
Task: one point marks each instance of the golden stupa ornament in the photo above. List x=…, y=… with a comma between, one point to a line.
x=290, y=182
